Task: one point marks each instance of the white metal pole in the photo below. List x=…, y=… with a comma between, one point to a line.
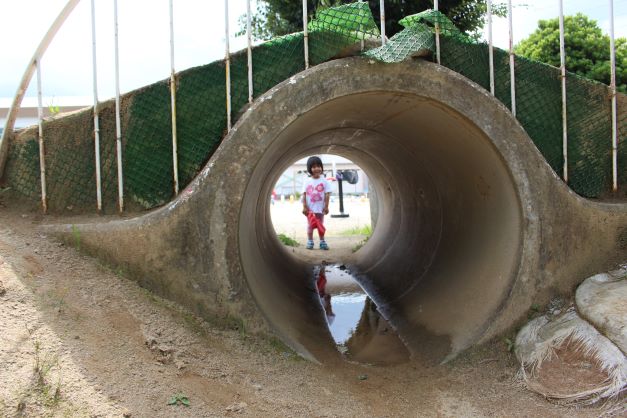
x=490, y=47
x=118, y=124
x=382, y=15
x=613, y=92
x=563, y=77
x=42, y=160
x=96, y=120
x=227, y=60
x=512, y=72
x=360, y=29
x=249, y=36
x=437, y=33
x=175, y=164
x=305, y=34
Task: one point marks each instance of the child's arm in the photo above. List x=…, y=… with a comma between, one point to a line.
x=327, y=196
x=305, y=208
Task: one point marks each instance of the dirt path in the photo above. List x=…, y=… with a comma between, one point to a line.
x=76, y=339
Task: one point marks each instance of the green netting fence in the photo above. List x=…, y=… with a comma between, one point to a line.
x=201, y=115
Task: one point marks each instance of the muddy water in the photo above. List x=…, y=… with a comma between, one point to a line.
x=360, y=332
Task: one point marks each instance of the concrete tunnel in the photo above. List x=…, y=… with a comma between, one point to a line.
x=469, y=232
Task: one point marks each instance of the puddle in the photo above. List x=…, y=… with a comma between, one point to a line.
x=359, y=330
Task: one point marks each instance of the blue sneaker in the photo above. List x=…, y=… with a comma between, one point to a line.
x=309, y=244
x=323, y=245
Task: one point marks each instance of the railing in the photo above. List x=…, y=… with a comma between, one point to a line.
x=34, y=65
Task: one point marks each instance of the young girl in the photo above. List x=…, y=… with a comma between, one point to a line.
x=316, y=193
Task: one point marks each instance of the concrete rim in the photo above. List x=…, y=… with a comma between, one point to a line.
x=448, y=244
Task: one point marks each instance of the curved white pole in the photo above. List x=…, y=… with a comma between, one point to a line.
x=26, y=78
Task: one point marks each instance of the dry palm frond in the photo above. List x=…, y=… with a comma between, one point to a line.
x=541, y=341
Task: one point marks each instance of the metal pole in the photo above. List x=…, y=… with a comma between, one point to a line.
x=227, y=60
x=563, y=76
x=382, y=15
x=305, y=34
x=437, y=34
x=28, y=74
x=118, y=125
x=96, y=121
x=175, y=164
x=360, y=29
x=249, y=52
x=490, y=47
x=613, y=92
x=512, y=73
x=42, y=160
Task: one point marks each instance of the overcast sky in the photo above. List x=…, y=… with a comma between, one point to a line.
x=199, y=38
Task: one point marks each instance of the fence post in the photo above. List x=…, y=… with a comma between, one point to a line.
x=563, y=77
x=42, y=154
x=175, y=164
x=118, y=124
x=613, y=91
x=96, y=118
x=490, y=47
x=249, y=52
x=227, y=60
x=512, y=73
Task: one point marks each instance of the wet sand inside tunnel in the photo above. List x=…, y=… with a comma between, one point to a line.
x=447, y=239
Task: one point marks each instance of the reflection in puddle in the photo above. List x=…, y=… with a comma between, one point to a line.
x=359, y=330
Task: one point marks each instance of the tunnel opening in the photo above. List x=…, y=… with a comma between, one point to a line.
x=348, y=223
x=448, y=233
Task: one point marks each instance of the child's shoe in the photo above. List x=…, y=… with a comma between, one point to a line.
x=323, y=245
x=310, y=244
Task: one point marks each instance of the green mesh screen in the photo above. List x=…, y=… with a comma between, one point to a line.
x=201, y=114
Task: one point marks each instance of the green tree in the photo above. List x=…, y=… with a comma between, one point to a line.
x=280, y=17
x=587, y=49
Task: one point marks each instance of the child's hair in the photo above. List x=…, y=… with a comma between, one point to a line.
x=313, y=161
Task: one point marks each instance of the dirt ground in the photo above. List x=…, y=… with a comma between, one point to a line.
x=78, y=339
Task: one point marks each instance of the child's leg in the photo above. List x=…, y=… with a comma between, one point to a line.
x=320, y=217
x=323, y=243
x=310, y=243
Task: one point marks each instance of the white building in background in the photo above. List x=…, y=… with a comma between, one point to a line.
x=292, y=179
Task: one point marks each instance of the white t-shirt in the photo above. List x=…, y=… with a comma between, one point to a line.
x=315, y=189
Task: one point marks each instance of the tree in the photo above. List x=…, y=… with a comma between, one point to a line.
x=587, y=49
x=280, y=17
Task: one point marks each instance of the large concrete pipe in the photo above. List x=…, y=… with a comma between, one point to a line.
x=473, y=224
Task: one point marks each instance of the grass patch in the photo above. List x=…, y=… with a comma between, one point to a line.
x=285, y=240
x=358, y=230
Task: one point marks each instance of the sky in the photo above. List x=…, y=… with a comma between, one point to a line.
x=199, y=27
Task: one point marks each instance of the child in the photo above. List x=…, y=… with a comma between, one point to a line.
x=316, y=193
